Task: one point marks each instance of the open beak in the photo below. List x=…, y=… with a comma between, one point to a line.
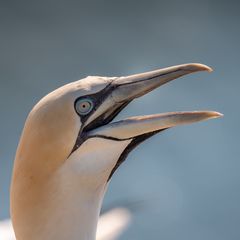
x=125, y=89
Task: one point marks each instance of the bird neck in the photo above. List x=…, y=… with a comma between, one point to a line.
x=76, y=214
x=61, y=212
x=62, y=202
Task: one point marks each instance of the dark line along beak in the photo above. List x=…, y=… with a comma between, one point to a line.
x=134, y=86
x=130, y=87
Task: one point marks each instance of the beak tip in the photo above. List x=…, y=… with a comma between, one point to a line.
x=215, y=115
x=199, y=67
x=220, y=114
x=209, y=69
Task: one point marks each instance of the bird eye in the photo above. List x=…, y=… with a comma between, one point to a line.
x=84, y=106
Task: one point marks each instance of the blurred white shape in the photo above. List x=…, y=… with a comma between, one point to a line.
x=110, y=225
x=6, y=230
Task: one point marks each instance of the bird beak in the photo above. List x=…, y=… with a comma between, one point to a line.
x=125, y=89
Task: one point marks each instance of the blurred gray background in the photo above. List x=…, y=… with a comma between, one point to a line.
x=186, y=179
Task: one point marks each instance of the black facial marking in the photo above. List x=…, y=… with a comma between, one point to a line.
x=134, y=143
x=97, y=99
x=105, y=118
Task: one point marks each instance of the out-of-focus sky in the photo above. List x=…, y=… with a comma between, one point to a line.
x=188, y=177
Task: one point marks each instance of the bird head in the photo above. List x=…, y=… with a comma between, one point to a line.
x=70, y=146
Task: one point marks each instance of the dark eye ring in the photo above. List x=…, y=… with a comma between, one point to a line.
x=84, y=106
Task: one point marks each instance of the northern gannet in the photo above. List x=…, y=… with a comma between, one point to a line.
x=70, y=148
